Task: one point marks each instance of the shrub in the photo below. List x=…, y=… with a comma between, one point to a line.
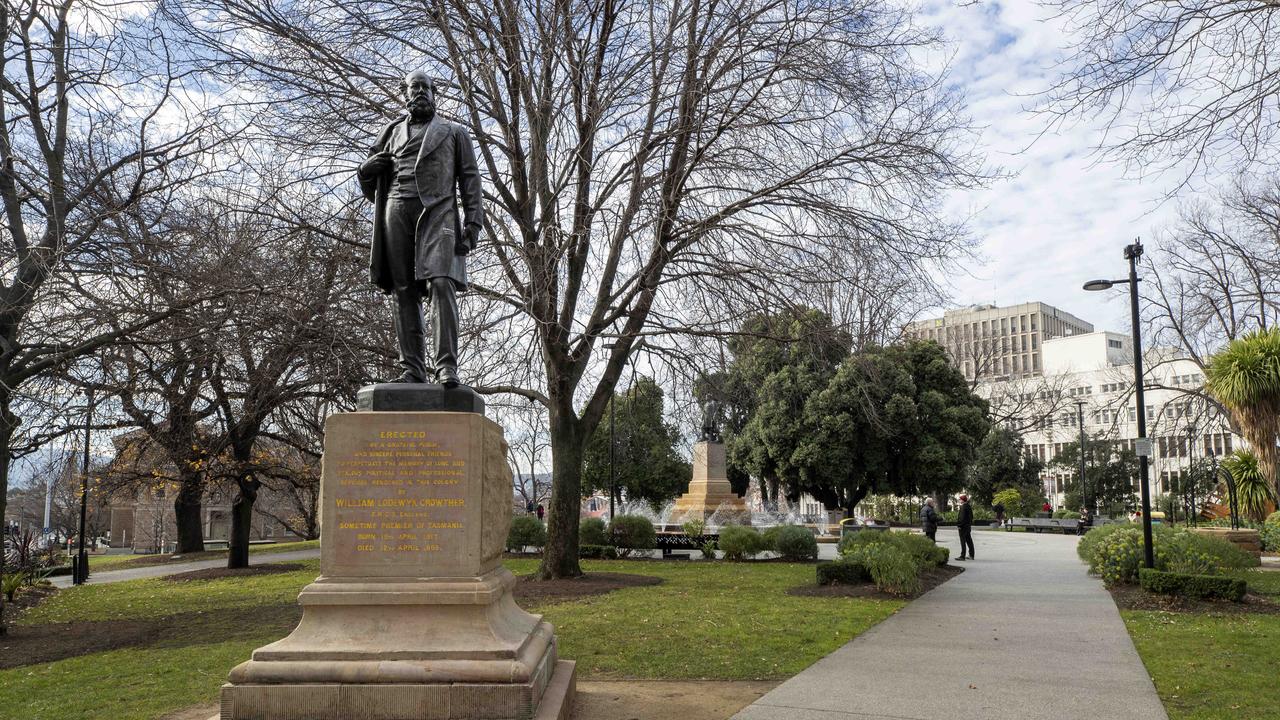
x=709, y=550
x=793, y=542
x=526, y=531
x=1011, y=499
x=1192, y=586
x=631, y=533
x=694, y=528
x=10, y=583
x=598, y=552
x=1086, y=548
x=739, y=542
x=1270, y=533
x=1065, y=514
x=1115, y=552
x=592, y=531
x=891, y=568
x=1225, y=555
x=842, y=572
x=769, y=537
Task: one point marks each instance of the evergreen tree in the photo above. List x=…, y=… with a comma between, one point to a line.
x=646, y=462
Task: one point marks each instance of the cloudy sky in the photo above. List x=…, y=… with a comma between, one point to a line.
x=1063, y=216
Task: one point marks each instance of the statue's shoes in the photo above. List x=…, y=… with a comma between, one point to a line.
x=448, y=377
x=407, y=377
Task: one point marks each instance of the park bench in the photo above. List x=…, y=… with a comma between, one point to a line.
x=1066, y=525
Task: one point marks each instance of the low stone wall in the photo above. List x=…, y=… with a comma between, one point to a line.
x=1248, y=540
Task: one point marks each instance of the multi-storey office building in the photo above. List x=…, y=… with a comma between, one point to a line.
x=989, y=342
x=1094, y=372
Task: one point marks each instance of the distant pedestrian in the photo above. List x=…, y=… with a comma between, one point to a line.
x=528, y=508
x=1046, y=507
x=540, y=511
x=964, y=522
x=998, y=509
x=1085, y=520
x=929, y=520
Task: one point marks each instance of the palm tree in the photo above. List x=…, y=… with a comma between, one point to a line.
x=1245, y=377
x=1253, y=492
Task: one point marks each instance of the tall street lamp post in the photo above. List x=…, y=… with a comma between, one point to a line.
x=82, y=555
x=1084, y=488
x=1193, y=477
x=1132, y=253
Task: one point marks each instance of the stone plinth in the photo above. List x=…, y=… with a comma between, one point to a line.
x=709, y=490
x=412, y=617
x=410, y=397
x=1246, y=539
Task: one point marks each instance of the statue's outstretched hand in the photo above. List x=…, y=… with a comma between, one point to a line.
x=376, y=165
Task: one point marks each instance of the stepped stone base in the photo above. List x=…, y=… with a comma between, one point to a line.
x=709, y=490
x=412, y=617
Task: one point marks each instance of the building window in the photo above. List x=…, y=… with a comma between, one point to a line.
x=1114, y=344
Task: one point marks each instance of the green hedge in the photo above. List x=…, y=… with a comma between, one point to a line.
x=1115, y=552
x=631, y=533
x=592, y=531
x=842, y=572
x=526, y=531
x=1270, y=533
x=1192, y=586
x=739, y=542
x=598, y=552
x=793, y=542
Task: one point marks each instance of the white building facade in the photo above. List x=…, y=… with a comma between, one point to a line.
x=1092, y=374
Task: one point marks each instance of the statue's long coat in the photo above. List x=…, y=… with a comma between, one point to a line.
x=446, y=162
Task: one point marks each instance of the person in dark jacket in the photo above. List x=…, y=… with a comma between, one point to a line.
x=929, y=520
x=964, y=522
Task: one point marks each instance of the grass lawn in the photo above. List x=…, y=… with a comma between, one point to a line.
x=707, y=620
x=120, y=561
x=1213, y=666
x=1205, y=667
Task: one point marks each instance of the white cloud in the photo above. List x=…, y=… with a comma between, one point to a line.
x=1062, y=217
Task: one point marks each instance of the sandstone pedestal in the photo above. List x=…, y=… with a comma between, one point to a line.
x=709, y=490
x=412, y=617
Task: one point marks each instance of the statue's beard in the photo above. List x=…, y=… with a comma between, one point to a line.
x=422, y=108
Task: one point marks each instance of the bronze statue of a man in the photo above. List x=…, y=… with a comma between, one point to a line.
x=419, y=169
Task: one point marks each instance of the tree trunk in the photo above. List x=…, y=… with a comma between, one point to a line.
x=241, y=522
x=187, y=515
x=8, y=425
x=560, y=557
x=852, y=500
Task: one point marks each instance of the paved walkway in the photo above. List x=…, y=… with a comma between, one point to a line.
x=1023, y=633
x=150, y=571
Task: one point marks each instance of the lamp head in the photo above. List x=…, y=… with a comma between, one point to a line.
x=1094, y=285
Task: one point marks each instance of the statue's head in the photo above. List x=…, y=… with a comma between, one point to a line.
x=419, y=94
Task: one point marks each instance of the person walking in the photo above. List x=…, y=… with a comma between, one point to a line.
x=998, y=509
x=541, y=511
x=929, y=520
x=964, y=522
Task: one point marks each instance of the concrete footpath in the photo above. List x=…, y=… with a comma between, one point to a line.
x=1023, y=633
x=150, y=571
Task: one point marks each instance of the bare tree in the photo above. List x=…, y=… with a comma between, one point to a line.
x=1216, y=274
x=82, y=91
x=1176, y=82
x=297, y=336
x=652, y=168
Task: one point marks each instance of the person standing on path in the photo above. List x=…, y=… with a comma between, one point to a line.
x=964, y=522
x=929, y=520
